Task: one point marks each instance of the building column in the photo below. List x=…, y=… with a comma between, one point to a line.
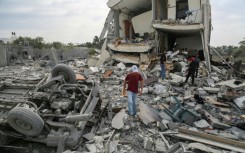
x=116, y=23
x=153, y=10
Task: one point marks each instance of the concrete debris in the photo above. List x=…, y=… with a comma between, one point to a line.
x=202, y=124
x=80, y=105
x=159, y=89
x=160, y=146
x=121, y=66
x=240, y=102
x=148, y=114
x=148, y=143
x=211, y=140
x=211, y=90
x=124, y=58
x=204, y=148
x=238, y=132
x=119, y=120
x=150, y=80
x=94, y=69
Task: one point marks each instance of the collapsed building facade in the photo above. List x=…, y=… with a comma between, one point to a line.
x=141, y=27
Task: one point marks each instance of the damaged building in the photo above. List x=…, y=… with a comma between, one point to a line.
x=139, y=28
x=74, y=107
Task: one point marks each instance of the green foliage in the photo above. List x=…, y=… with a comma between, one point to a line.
x=240, y=51
x=97, y=43
x=91, y=51
x=39, y=42
x=57, y=45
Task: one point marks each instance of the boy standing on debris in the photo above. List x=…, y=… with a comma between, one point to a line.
x=191, y=70
x=162, y=64
x=133, y=79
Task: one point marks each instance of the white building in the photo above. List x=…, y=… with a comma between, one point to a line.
x=162, y=22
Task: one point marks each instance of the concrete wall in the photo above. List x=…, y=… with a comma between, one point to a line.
x=172, y=9
x=3, y=56
x=142, y=23
x=122, y=18
x=196, y=16
x=190, y=42
x=77, y=52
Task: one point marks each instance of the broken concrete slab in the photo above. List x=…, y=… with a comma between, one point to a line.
x=119, y=120
x=121, y=66
x=211, y=140
x=148, y=143
x=211, y=90
x=150, y=80
x=162, y=126
x=215, y=122
x=202, y=124
x=204, y=148
x=92, y=62
x=238, y=132
x=144, y=58
x=228, y=135
x=148, y=114
x=211, y=82
x=105, y=55
x=173, y=125
x=94, y=69
x=231, y=84
x=159, y=89
x=89, y=136
x=160, y=146
x=125, y=58
x=240, y=102
x=112, y=147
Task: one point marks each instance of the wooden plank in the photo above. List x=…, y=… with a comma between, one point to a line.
x=211, y=140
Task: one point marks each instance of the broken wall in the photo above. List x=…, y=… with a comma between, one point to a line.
x=3, y=56
x=172, y=9
x=142, y=23
x=194, y=42
x=67, y=54
x=196, y=16
x=193, y=5
x=122, y=18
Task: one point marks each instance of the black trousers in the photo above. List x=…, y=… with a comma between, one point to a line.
x=196, y=72
x=192, y=74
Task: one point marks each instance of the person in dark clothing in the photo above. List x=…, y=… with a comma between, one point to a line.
x=191, y=70
x=162, y=64
x=197, y=62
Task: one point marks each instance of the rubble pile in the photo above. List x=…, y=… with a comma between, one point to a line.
x=171, y=116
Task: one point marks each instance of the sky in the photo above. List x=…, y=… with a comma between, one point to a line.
x=78, y=21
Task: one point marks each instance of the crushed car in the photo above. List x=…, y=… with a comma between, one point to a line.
x=53, y=110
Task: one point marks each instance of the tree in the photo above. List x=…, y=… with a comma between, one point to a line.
x=70, y=45
x=242, y=43
x=57, y=45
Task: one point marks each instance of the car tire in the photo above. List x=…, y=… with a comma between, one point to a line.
x=25, y=121
x=66, y=71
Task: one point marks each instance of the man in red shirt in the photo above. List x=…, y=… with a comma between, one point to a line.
x=133, y=79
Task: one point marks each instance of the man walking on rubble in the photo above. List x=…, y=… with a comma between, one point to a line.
x=191, y=70
x=133, y=79
x=162, y=64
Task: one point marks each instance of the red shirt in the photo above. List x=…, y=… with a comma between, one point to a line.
x=133, y=81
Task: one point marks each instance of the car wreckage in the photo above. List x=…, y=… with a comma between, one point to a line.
x=53, y=110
